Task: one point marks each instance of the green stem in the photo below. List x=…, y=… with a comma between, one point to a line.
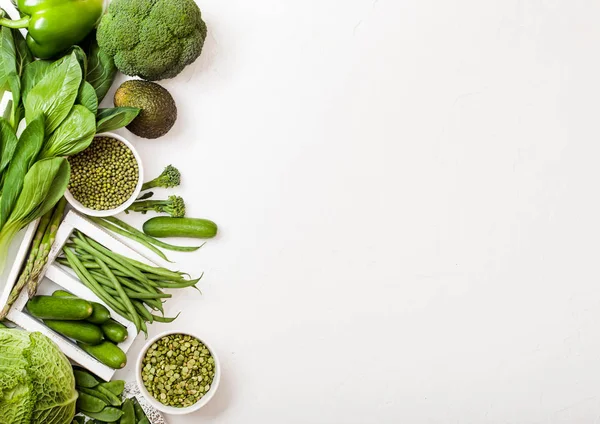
x=125, y=233
x=16, y=24
x=46, y=245
x=7, y=234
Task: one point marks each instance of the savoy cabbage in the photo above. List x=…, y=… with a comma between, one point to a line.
x=36, y=380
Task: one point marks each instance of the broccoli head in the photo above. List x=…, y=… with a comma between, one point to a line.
x=153, y=39
x=170, y=177
x=174, y=206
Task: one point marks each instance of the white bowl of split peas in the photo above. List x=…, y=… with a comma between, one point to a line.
x=188, y=376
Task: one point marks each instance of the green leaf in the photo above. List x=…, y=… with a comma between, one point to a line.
x=32, y=74
x=8, y=139
x=74, y=134
x=8, y=63
x=81, y=58
x=9, y=76
x=43, y=186
x=23, y=54
x=87, y=97
x=101, y=70
x=55, y=94
x=25, y=155
x=115, y=118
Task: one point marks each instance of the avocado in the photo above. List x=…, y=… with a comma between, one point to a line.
x=158, y=110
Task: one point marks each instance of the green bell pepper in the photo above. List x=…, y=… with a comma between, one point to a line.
x=55, y=25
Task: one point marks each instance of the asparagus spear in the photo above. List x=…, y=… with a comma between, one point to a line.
x=44, y=249
x=24, y=277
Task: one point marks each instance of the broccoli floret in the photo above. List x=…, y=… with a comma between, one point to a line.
x=170, y=177
x=174, y=206
x=153, y=39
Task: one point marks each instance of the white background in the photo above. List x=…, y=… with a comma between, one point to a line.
x=407, y=193
x=407, y=197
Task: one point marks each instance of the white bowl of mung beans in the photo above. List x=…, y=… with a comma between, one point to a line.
x=178, y=372
x=106, y=178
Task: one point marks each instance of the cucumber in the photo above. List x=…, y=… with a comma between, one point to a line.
x=82, y=331
x=107, y=353
x=114, y=331
x=100, y=313
x=50, y=307
x=163, y=226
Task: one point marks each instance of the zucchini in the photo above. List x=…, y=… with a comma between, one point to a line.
x=82, y=331
x=100, y=313
x=114, y=331
x=50, y=307
x=164, y=226
x=107, y=353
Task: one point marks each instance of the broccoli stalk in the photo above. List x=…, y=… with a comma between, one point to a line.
x=174, y=206
x=170, y=177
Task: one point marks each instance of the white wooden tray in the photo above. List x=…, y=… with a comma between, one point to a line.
x=54, y=276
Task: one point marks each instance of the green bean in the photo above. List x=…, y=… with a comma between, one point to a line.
x=144, y=327
x=120, y=264
x=91, y=283
x=153, y=270
x=124, y=298
x=165, y=319
x=132, y=294
x=90, y=248
x=143, y=312
x=149, y=239
x=154, y=277
x=171, y=285
x=93, y=268
x=155, y=304
x=124, y=281
x=134, y=237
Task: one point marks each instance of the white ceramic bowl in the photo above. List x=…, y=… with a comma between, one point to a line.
x=169, y=409
x=110, y=212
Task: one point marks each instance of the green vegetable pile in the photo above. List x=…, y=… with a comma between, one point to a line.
x=178, y=370
x=59, y=101
x=153, y=39
x=104, y=402
x=126, y=285
x=36, y=380
x=88, y=323
x=104, y=175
